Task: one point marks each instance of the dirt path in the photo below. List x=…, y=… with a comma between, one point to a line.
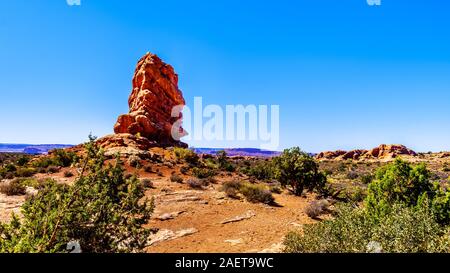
x=206, y=210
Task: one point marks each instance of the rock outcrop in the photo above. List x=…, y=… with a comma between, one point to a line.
x=154, y=95
x=382, y=152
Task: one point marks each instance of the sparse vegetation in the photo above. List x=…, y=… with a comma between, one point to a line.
x=316, y=208
x=102, y=210
x=353, y=230
x=196, y=183
x=203, y=172
x=12, y=188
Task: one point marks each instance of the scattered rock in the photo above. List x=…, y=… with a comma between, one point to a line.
x=275, y=248
x=169, y=216
x=235, y=242
x=166, y=235
x=249, y=214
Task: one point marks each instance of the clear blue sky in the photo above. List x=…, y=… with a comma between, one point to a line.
x=345, y=74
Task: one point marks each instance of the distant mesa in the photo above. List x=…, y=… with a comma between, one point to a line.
x=382, y=152
x=238, y=152
x=30, y=149
x=149, y=122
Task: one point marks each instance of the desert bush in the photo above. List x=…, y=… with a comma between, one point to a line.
x=398, y=182
x=196, y=183
x=203, y=172
x=26, y=172
x=58, y=157
x=402, y=229
x=64, y=158
x=299, y=171
x=366, y=178
x=176, y=178
x=186, y=155
x=232, y=188
x=13, y=188
x=440, y=205
x=261, y=170
x=276, y=189
x=36, y=183
x=147, y=183
x=252, y=192
x=102, y=210
x=23, y=160
x=256, y=193
x=223, y=162
x=316, y=208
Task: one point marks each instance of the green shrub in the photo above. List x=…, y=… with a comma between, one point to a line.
x=36, y=183
x=102, y=210
x=203, y=172
x=26, y=172
x=23, y=160
x=401, y=230
x=186, y=155
x=367, y=178
x=261, y=170
x=252, y=192
x=13, y=188
x=256, y=193
x=276, y=189
x=64, y=158
x=299, y=171
x=398, y=182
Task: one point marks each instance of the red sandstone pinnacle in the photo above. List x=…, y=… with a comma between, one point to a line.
x=155, y=94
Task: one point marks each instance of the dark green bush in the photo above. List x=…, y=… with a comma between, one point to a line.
x=261, y=170
x=398, y=182
x=401, y=230
x=102, y=210
x=298, y=171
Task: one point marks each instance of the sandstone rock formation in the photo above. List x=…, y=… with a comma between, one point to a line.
x=154, y=95
x=382, y=152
